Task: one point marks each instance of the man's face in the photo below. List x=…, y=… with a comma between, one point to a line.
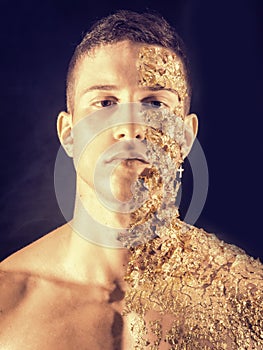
x=122, y=74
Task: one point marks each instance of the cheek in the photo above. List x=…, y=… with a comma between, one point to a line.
x=87, y=152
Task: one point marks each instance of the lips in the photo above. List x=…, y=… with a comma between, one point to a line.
x=128, y=156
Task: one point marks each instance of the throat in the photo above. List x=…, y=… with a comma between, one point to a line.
x=89, y=263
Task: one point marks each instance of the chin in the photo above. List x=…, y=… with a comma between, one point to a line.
x=121, y=187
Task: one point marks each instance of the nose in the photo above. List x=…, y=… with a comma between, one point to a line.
x=128, y=132
x=129, y=123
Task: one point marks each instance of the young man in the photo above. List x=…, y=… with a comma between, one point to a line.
x=108, y=279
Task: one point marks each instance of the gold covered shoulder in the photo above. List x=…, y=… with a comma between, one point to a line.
x=211, y=289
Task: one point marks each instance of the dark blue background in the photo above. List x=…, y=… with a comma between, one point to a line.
x=224, y=40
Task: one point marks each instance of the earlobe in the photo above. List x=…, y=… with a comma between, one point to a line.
x=190, y=132
x=65, y=132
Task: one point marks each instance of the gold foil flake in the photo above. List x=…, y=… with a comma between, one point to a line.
x=138, y=326
x=158, y=66
x=189, y=298
x=165, y=143
x=153, y=182
x=166, y=123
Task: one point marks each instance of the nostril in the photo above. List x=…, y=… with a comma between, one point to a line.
x=138, y=137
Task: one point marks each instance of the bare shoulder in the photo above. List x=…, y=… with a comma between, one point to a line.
x=33, y=258
x=20, y=272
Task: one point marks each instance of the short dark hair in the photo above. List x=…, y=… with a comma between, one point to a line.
x=148, y=28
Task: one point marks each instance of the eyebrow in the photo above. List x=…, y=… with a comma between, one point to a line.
x=101, y=87
x=160, y=88
x=115, y=87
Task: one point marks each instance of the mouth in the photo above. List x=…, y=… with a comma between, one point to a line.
x=128, y=158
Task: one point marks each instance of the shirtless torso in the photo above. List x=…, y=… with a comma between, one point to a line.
x=209, y=305
x=42, y=308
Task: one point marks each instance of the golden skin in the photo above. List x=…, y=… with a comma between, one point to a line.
x=159, y=66
x=192, y=291
x=159, y=179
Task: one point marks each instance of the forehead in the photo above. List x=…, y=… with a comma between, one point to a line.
x=159, y=66
x=108, y=62
x=149, y=63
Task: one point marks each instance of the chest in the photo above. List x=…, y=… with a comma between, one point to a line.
x=50, y=322
x=45, y=324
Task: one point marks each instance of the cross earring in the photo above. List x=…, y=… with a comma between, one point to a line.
x=180, y=170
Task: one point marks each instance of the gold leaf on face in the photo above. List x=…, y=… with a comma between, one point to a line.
x=155, y=191
x=159, y=66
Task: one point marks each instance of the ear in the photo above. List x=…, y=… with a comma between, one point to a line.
x=65, y=132
x=190, y=132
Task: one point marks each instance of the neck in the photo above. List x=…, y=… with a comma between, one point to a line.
x=94, y=253
x=94, y=264
x=96, y=220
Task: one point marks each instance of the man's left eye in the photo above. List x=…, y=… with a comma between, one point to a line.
x=155, y=104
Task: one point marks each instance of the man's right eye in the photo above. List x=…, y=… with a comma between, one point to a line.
x=105, y=103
